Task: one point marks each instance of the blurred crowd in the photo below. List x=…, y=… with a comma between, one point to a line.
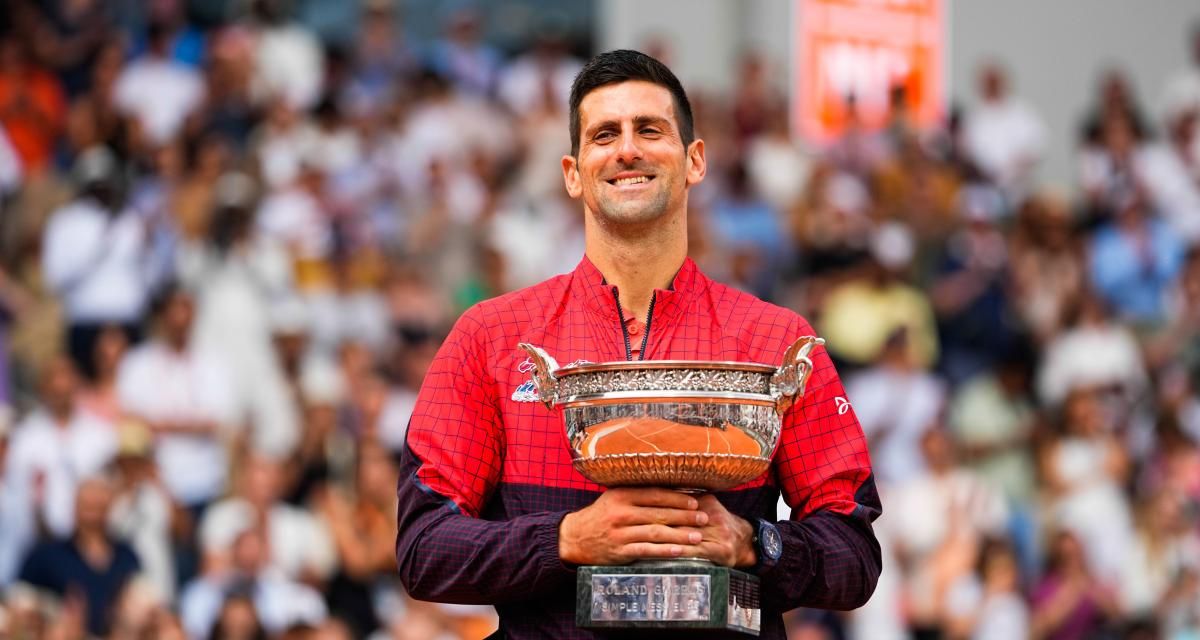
x=229, y=249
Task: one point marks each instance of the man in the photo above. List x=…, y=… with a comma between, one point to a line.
x=182, y=393
x=53, y=448
x=490, y=508
x=88, y=563
x=98, y=257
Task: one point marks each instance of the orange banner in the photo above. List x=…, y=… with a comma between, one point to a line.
x=852, y=54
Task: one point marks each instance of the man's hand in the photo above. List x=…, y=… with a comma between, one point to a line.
x=727, y=539
x=633, y=523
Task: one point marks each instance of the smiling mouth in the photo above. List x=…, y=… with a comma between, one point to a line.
x=621, y=182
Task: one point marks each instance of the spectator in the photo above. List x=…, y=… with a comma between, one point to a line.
x=99, y=398
x=52, y=449
x=298, y=543
x=1003, y=136
x=182, y=393
x=143, y=513
x=1069, y=602
x=97, y=258
x=32, y=106
x=940, y=516
x=362, y=531
x=463, y=58
x=289, y=61
x=863, y=313
x=896, y=401
x=1132, y=262
x=88, y=563
x=160, y=92
x=1047, y=265
x=278, y=601
x=1085, y=466
x=988, y=605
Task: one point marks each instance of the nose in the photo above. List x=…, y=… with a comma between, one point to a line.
x=628, y=152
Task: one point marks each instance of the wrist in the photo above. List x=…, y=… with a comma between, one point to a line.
x=566, y=550
x=747, y=552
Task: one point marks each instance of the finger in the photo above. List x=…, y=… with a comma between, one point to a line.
x=659, y=534
x=651, y=550
x=655, y=515
x=659, y=497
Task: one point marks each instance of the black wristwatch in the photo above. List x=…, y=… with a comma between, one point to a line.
x=768, y=545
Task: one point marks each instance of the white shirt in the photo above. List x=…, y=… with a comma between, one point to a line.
x=46, y=462
x=156, y=383
x=1000, y=136
x=298, y=540
x=161, y=93
x=293, y=218
x=96, y=264
x=290, y=64
x=903, y=404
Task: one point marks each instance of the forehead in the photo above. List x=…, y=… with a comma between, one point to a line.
x=624, y=101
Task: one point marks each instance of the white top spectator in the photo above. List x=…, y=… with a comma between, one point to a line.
x=97, y=263
x=157, y=383
x=161, y=93
x=46, y=460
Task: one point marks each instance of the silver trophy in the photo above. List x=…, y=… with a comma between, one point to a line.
x=689, y=425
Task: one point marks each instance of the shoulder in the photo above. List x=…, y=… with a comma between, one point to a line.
x=514, y=312
x=767, y=327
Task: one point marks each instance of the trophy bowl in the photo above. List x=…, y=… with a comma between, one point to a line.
x=690, y=425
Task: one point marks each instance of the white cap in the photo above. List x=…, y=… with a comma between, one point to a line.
x=892, y=245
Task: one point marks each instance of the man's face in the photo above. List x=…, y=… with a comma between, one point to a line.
x=632, y=167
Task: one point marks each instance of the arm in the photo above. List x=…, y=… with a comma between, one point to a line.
x=831, y=558
x=452, y=461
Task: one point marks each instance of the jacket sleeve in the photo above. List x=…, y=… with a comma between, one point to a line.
x=831, y=558
x=451, y=464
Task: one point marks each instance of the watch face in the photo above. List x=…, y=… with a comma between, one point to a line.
x=772, y=544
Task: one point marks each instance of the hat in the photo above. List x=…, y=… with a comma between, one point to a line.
x=892, y=245
x=134, y=440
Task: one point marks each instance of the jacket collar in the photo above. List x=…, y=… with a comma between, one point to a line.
x=597, y=294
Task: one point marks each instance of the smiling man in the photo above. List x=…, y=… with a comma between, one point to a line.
x=490, y=508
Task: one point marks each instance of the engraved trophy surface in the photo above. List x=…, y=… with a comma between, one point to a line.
x=690, y=425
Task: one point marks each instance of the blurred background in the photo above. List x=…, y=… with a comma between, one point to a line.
x=233, y=234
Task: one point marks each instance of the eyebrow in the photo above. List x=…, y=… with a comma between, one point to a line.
x=638, y=121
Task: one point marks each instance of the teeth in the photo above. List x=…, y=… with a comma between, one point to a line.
x=637, y=180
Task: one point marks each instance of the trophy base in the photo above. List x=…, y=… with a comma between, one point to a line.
x=666, y=595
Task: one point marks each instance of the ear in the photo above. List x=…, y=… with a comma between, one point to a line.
x=570, y=168
x=697, y=166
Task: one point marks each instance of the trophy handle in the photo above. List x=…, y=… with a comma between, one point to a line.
x=543, y=373
x=791, y=377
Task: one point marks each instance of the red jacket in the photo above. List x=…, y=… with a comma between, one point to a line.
x=487, y=476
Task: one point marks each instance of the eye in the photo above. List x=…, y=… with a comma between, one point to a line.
x=650, y=131
x=604, y=136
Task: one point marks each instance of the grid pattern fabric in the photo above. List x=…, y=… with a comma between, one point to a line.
x=488, y=477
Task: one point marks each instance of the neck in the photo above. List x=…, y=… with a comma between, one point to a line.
x=637, y=261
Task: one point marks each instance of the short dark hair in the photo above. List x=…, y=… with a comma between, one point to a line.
x=623, y=65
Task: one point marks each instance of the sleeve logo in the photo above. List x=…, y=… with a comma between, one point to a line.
x=843, y=405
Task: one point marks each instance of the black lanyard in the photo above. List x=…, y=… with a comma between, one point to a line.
x=625, y=329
